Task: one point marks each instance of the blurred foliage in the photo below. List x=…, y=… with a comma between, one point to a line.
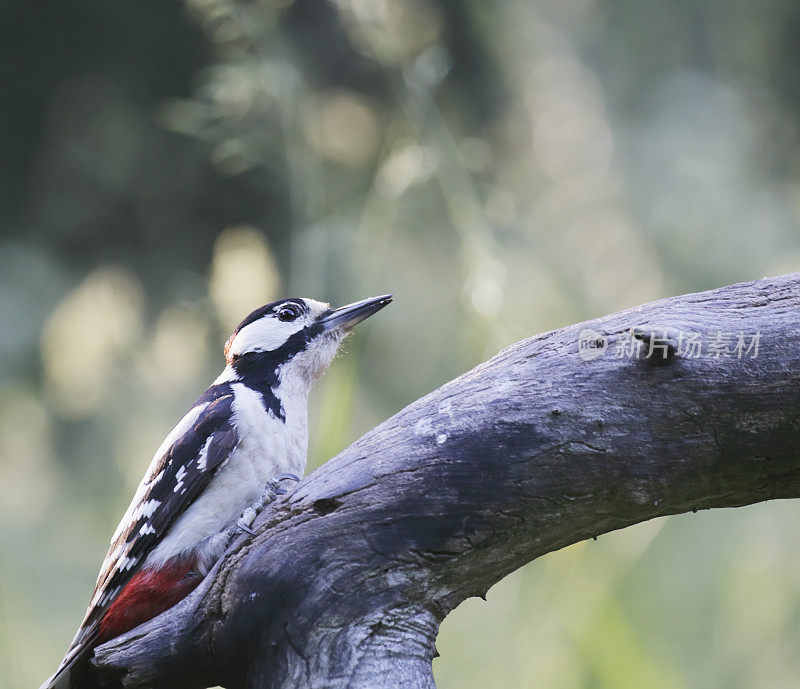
x=503, y=168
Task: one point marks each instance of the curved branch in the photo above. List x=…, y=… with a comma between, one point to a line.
x=350, y=574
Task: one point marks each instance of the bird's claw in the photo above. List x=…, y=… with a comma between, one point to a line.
x=270, y=493
x=285, y=477
x=246, y=519
x=273, y=489
x=243, y=527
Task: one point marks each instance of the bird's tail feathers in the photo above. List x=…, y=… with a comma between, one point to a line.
x=73, y=671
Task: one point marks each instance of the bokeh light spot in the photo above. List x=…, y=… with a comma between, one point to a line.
x=94, y=324
x=243, y=273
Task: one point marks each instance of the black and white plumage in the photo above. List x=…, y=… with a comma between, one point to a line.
x=250, y=426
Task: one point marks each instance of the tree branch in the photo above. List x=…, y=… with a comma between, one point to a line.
x=350, y=574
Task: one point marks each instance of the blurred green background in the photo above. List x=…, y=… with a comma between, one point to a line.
x=504, y=168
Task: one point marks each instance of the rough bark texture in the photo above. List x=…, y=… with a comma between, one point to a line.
x=350, y=575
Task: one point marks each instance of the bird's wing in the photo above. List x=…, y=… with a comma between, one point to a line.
x=181, y=469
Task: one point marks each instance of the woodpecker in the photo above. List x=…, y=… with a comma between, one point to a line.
x=227, y=457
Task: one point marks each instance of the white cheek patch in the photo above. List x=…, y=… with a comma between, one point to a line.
x=265, y=334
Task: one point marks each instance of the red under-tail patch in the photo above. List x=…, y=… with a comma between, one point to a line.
x=149, y=593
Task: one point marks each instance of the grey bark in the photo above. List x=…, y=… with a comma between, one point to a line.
x=350, y=574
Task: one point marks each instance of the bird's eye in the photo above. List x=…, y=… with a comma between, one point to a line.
x=288, y=313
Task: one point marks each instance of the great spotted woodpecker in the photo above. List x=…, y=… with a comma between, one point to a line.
x=224, y=460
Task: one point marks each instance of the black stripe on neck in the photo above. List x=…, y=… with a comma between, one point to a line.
x=259, y=370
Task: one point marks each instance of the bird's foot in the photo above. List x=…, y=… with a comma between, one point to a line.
x=271, y=492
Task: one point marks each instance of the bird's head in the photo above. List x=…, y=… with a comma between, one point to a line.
x=295, y=335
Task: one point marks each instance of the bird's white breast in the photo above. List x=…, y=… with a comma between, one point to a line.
x=267, y=447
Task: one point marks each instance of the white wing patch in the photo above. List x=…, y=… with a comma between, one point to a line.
x=189, y=457
x=179, y=478
x=139, y=507
x=152, y=475
x=127, y=562
x=146, y=509
x=201, y=460
x=110, y=594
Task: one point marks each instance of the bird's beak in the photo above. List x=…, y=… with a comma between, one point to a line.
x=346, y=317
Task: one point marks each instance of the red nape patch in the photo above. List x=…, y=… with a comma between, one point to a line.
x=149, y=593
